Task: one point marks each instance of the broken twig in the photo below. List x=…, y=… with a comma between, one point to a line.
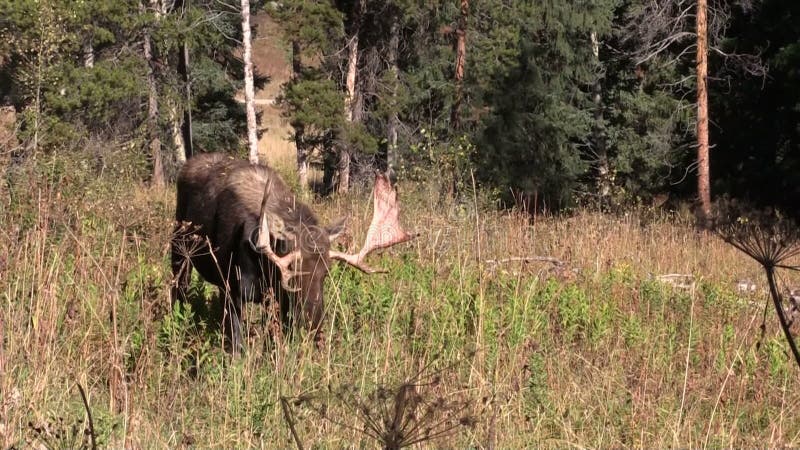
x=527, y=259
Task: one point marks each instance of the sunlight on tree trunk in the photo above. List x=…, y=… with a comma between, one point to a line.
x=391, y=126
x=601, y=155
x=249, y=89
x=461, y=58
x=349, y=100
x=88, y=53
x=177, y=136
x=299, y=131
x=703, y=173
x=186, y=149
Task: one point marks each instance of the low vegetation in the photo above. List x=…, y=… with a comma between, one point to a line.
x=478, y=348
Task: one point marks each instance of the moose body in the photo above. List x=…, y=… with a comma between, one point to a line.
x=243, y=230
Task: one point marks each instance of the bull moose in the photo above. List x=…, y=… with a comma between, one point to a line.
x=243, y=230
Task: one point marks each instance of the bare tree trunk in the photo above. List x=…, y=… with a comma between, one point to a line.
x=88, y=53
x=249, y=89
x=181, y=129
x=703, y=174
x=350, y=80
x=349, y=100
x=461, y=59
x=186, y=149
x=177, y=136
x=299, y=129
x=603, y=169
x=329, y=162
x=43, y=56
x=152, y=109
x=343, y=168
x=38, y=97
x=391, y=126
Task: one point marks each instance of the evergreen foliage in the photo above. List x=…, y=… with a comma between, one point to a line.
x=558, y=103
x=65, y=99
x=758, y=136
x=540, y=108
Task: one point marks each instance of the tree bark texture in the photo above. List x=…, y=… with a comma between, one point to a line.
x=603, y=169
x=393, y=122
x=249, y=89
x=703, y=171
x=345, y=155
x=177, y=134
x=186, y=149
x=88, y=53
x=152, y=109
x=461, y=59
x=299, y=129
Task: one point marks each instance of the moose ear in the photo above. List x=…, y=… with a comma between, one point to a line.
x=336, y=228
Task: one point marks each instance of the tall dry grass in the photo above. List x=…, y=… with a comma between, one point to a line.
x=597, y=351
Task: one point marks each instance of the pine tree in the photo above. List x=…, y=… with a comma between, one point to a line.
x=350, y=100
x=756, y=117
x=312, y=101
x=669, y=27
x=64, y=98
x=535, y=138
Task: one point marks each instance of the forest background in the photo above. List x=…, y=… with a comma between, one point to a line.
x=567, y=103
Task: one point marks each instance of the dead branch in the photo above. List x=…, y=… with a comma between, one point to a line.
x=287, y=415
x=89, y=416
x=527, y=259
x=678, y=280
x=777, y=301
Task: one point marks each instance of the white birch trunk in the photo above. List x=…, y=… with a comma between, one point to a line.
x=603, y=169
x=88, y=53
x=302, y=150
x=350, y=97
x=349, y=101
x=177, y=136
x=391, y=128
x=249, y=89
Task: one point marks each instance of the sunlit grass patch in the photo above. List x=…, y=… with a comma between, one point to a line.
x=600, y=349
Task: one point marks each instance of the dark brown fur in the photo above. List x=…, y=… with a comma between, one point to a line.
x=219, y=202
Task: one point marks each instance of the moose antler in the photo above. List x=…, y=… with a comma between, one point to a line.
x=385, y=229
x=263, y=246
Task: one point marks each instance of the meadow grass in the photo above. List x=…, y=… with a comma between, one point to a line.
x=596, y=352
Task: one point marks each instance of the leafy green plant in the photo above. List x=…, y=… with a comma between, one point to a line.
x=184, y=338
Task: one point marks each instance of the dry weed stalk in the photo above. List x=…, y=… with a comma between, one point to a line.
x=396, y=416
x=57, y=434
x=773, y=241
x=90, y=425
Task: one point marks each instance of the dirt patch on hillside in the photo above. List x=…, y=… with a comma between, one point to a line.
x=8, y=142
x=272, y=58
x=8, y=136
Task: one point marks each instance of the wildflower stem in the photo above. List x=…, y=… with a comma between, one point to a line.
x=776, y=300
x=287, y=414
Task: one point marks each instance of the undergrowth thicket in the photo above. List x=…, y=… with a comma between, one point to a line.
x=598, y=351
